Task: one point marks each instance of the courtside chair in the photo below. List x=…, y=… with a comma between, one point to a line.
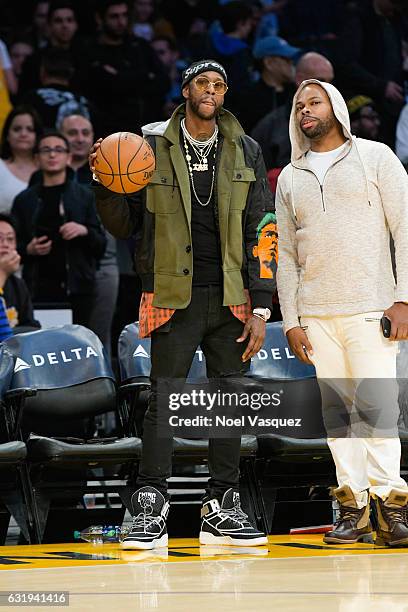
x=402, y=375
x=61, y=382
x=188, y=454
x=290, y=457
x=15, y=487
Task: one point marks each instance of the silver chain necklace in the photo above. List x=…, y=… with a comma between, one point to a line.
x=201, y=148
x=190, y=170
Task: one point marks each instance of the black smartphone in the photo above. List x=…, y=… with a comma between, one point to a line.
x=386, y=326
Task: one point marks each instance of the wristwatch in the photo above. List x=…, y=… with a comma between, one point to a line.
x=262, y=313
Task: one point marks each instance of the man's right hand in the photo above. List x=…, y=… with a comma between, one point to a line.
x=93, y=153
x=39, y=246
x=299, y=344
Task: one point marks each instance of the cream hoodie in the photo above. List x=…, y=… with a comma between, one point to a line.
x=334, y=239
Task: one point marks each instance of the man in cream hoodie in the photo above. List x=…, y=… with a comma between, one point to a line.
x=337, y=202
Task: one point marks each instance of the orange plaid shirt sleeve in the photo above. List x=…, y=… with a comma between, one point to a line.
x=151, y=317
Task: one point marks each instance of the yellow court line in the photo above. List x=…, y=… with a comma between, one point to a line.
x=179, y=551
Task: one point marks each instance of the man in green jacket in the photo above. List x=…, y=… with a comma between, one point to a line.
x=196, y=225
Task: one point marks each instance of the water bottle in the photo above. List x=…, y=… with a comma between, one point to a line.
x=99, y=534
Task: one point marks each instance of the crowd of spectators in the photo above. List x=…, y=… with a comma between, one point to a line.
x=72, y=71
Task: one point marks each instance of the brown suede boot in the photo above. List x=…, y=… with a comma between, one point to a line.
x=354, y=523
x=392, y=515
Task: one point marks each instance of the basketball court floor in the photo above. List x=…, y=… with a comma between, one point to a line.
x=292, y=573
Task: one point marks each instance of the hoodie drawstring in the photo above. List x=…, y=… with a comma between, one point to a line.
x=292, y=192
x=364, y=170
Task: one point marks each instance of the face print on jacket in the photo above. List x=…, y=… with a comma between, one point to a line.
x=267, y=248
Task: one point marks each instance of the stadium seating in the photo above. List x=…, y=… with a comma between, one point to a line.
x=402, y=375
x=291, y=457
x=54, y=382
x=61, y=381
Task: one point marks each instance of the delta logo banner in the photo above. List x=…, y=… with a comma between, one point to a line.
x=57, y=357
x=274, y=360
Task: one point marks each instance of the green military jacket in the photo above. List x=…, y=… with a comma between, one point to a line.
x=160, y=215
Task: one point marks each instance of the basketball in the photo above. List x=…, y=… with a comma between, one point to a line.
x=124, y=162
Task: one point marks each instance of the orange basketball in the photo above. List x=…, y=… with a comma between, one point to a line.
x=124, y=162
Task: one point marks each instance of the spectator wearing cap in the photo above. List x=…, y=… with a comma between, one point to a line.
x=364, y=119
x=276, y=83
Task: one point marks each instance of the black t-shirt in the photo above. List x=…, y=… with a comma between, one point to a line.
x=259, y=100
x=52, y=267
x=207, y=268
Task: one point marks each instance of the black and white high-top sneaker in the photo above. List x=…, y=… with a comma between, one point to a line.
x=148, y=529
x=227, y=524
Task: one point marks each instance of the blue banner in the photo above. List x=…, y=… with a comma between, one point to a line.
x=57, y=357
x=273, y=361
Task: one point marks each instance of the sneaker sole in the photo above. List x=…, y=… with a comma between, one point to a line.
x=138, y=545
x=209, y=538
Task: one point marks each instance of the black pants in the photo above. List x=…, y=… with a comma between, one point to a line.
x=81, y=308
x=208, y=323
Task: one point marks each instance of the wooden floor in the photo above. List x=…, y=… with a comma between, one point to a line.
x=292, y=573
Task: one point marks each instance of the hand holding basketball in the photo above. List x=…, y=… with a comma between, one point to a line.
x=93, y=153
x=123, y=162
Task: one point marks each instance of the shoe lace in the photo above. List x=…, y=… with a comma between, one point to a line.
x=397, y=515
x=235, y=513
x=145, y=519
x=347, y=513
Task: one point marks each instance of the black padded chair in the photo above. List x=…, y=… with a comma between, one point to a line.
x=15, y=488
x=61, y=381
x=290, y=457
x=402, y=375
x=134, y=364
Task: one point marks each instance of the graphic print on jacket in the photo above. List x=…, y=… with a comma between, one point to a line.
x=267, y=248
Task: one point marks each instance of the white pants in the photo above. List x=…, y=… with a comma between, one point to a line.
x=348, y=350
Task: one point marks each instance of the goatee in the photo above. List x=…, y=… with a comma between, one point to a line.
x=323, y=127
x=195, y=107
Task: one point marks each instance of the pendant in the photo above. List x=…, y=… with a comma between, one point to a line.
x=204, y=160
x=200, y=167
